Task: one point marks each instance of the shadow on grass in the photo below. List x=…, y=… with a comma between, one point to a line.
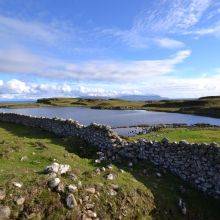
x=165, y=189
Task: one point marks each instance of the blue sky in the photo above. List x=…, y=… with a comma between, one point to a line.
x=80, y=47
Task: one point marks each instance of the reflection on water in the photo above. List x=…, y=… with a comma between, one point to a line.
x=114, y=118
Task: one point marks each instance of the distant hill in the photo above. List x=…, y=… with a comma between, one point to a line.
x=141, y=97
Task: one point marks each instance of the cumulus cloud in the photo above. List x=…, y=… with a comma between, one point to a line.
x=25, y=62
x=166, y=86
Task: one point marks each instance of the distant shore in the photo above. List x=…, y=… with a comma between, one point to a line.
x=205, y=106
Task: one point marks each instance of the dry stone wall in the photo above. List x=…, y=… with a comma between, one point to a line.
x=198, y=164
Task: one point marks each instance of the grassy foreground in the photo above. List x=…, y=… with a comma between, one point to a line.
x=192, y=135
x=141, y=194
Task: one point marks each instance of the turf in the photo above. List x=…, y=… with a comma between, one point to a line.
x=192, y=135
x=141, y=194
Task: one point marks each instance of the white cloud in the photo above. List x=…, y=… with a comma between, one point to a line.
x=169, y=43
x=212, y=31
x=165, y=86
x=23, y=62
x=172, y=16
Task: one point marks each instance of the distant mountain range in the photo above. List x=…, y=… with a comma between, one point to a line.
x=128, y=97
x=141, y=97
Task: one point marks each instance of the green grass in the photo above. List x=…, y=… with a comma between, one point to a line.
x=192, y=135
x=141, y=195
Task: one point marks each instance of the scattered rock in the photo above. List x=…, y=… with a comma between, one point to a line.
x=97, y=161
x=53, y=168
x=64, y=168
x=98, y=171
x=60, y=188
x=71, y=201
x=90, y=190
x=158, y=174
x=2, y=194
x=72, y=176
x=72, y=188
x=130, y=164
x=79, y=184
x=91, y=214
x=19, y=185
x=24, y=158
x=110, y=166
x=89, y=206
x=103, y=169
x=19, y=200
x=112, y=192
x=122, y=171
x=5, y=212
x=182, y=206
x=54, y=182
x=110, y=176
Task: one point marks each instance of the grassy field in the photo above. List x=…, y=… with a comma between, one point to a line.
x=192, y=135
x=141, y=194
x=206, y=106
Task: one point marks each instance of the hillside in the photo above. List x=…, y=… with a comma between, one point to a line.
x=139, y=191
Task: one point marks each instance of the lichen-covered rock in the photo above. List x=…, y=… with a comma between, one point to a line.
x=54, y=183
x=72, y=188
x=71, y=201
x=64, y=168
x=53, y=168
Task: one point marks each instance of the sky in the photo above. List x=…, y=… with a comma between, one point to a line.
x=72, y=48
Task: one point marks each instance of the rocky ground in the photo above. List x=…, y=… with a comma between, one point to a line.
x=45, y=177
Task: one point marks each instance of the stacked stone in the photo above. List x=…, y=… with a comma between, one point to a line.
x=199, y=164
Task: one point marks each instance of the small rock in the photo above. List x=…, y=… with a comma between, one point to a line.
x=122, y=171
x=158, y=174
x=97, y=161
x=60, y=188
x=54, y=182
x=5, y=212
x=79, y=184
x=24, y=158
x=98, y=171
x=2, y=194
x=110, y=167
x=72, y=176
x=19, y=200
x=182, y=206
x=64, y=168
x=130, y=164
x=91, y=214
x=53, y=168
x=90, y=190
x=72, y=188
x=89, y=206
x=71, y=201
x=110, y=176
x=112, y=192
x=19, y=185
x=103, y=169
